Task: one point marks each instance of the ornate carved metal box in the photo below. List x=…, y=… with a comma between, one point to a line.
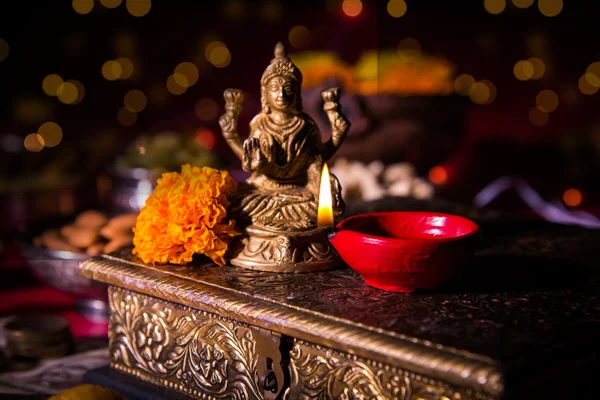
x=211, y=332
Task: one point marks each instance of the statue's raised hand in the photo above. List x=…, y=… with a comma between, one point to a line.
x=234, y=98
x=253, y=157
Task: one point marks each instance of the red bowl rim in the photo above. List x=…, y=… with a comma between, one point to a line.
x=474, y=227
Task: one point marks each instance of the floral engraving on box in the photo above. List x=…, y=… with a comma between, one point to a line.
x=194, y=352
x=318, y=372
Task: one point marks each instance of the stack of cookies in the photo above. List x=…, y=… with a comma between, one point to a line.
x=91, y=232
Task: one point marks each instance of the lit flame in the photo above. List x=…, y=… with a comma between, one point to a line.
x=325, y=213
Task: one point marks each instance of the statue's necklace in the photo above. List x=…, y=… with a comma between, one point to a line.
x=282, y=131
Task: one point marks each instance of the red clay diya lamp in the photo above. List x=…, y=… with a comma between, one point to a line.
x=401, y=251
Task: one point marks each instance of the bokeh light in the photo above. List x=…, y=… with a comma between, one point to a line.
x=539, y=67
x=494, y=7
x=51, y=133
x=80, y=91
x=492, y=89
x=138, y=8
x=523, y=70
x=234, y=9
x=438, y=175
x=126, y=117
x=271, y=11
x=585, y=87
x=592, y=74
x=83, y=6
x=547, y=100
x=299, y=37
x=111, y=70
x=409, y=45
x=206, y=138
x=523, y=3
x=33, y=142
x=126, y=67
x=480, y=92
x=463, y=83
x=550, y=8
x=173, y=87
x=352, y=8
x=218, y=54
x=186, y=74
x=51, y=83
x=4, y=49
x=111, y=3
x=206, y=109
x=538, y=117
x=572, y=197
x=67, y=92
x=135, y=100
x=396, y=8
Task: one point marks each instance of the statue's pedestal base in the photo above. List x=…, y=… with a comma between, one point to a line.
x=286, y=252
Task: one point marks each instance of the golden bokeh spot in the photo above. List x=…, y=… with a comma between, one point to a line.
x=539, y=67
x=463, y=83
x=522, y=3
x=181, y=80
x=111, y=3
x=138, y=8
x=352, y=8
x=271, y=11
x=538, y=117
x=67, y=92
x=592, y=74
x=80, y=91
x=550, y=8
x=220, y=56
x=479, y=93
x=299, y=37
x=32, y=109
x=126, y=67
x=438, y=175
x=492, y=89
x=396, y=8
x=206, y=109
x=126, y=117
x=33, y=142
x=158, y=94
x=235, y=9
x=4, y=49
x=111, y=70
x=51, y=83
x=547, y=100
x=494, y=7
x=135, y=100
x=572, y=197
x=592, y=79
x=173, y=87
x=523, y=70
x=51, y=134
x=83, y=6
x=189, y=72
x=585, y=87
x=409, y=46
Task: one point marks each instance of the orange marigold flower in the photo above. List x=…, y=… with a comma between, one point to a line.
x=186, y=215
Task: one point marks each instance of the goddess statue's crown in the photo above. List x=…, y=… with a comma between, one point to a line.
x=281, y=66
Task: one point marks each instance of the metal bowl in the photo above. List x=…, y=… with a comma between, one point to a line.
x=59, y=269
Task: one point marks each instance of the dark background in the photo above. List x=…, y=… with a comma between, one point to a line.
x=498, y=140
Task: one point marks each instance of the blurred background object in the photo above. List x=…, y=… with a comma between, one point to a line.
x=111, y=94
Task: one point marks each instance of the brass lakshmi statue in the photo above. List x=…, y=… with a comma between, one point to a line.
x=277, y=206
